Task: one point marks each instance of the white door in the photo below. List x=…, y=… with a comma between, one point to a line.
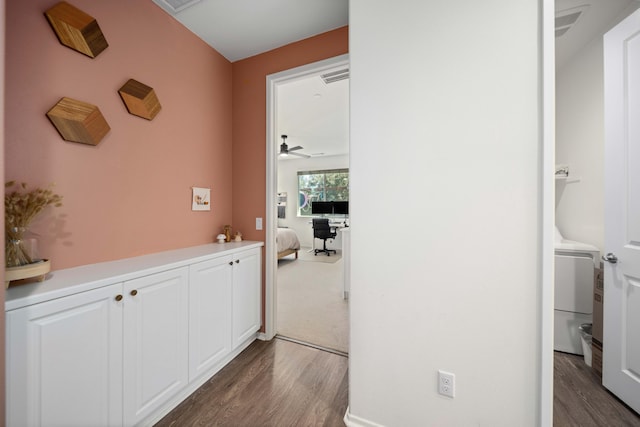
x=246, y=295
x=209, y=314
x=64, y=361
x=155, y=341
x=621, y=323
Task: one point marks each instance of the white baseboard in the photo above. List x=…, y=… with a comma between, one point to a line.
x=351, y=420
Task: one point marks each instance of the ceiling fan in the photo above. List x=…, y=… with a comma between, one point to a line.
x=285, y=150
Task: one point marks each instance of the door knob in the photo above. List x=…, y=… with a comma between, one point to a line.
x=230, y=262
x=134, y=293
x=237, y=261
x=118, y=297
x=612, y=258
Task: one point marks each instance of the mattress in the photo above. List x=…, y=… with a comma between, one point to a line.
x=287, y=239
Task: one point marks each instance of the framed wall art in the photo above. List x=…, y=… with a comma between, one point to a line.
x=201, y=199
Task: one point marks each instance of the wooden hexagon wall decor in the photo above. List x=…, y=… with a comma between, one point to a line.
x=140, y=99
x=78, y=121
x=76, y=29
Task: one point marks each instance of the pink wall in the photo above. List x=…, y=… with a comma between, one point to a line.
x=249, y=122
x=129, y=195
x=249, y=119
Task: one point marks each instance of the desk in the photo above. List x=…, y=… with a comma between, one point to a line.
x=337, y=225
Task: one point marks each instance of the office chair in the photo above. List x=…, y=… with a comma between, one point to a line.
x=321, y=230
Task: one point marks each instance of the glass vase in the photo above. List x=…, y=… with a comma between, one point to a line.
x=15, y=252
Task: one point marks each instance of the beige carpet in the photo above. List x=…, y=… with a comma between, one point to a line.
x=310, y=303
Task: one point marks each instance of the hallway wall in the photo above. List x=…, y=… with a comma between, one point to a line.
x=460, y=290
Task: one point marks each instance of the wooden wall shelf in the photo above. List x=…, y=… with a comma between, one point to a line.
x=76, y=29
x=140, y=99
x=78, y=121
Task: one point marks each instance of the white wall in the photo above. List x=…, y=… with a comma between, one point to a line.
x=580, y=143
x=445, y=116
x=288, y=182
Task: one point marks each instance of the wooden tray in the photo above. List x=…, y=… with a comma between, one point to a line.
x=37, y=269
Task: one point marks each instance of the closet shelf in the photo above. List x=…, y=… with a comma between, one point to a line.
x=568, y=179
x=562, y=174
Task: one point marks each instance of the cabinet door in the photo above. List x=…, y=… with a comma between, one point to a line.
x=246, y=295
x=155, y=341
x=64, y=361
x=209, y=314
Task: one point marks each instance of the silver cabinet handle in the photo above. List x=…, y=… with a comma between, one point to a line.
x=610, y=257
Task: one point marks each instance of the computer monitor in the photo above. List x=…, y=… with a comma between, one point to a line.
x=321, y=208
x=341, y=208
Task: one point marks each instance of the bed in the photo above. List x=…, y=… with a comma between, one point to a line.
x=287, y=242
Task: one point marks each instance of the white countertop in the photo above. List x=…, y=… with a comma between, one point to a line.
x=69, y=281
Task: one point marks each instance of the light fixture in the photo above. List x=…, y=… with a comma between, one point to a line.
x=285, y=150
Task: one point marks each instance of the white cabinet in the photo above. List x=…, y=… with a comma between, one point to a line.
x=224, y=308
x=155, y=341
x=122, y=343
x=209, y=314
x=84, y=355
x=64, y=361
x=246, y=295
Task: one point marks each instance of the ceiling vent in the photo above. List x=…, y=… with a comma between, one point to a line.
x=335, y=76
x=565, y=19
x=176, y=6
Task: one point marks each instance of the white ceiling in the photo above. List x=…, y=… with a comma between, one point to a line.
x=238, y=29
x=312, y=114
x=599, y=16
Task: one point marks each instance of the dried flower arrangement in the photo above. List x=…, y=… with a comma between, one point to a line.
x=20, y=208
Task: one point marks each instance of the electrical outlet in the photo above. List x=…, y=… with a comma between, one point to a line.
x=258, y=223
x=446, y=383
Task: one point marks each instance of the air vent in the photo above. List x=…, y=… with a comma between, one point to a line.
x=179, y=5
x=335, y=76
x=565, y=19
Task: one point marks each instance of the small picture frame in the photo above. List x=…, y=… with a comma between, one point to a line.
x=201, y=199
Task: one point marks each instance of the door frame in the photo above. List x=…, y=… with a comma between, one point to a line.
x=547, y=208
x=272, y=142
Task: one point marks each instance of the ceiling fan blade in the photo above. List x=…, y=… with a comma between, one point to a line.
x=306, y=156
x=297, y=147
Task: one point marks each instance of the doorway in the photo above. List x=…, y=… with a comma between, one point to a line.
x=276, y=82
x=579, y=148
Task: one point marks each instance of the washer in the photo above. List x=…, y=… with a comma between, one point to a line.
x=575, y=265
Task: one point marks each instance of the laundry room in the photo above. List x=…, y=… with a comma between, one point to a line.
x=582, y=232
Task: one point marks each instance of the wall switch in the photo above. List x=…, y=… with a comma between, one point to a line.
x=446, y=383
x=258, y=223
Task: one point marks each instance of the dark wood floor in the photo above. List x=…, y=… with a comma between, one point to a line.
x=581, y=401
x=275, y=383
x=281, y=383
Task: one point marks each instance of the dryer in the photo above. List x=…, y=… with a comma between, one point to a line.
x=575, y=266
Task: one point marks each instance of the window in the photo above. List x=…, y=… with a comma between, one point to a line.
x=324, y=185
